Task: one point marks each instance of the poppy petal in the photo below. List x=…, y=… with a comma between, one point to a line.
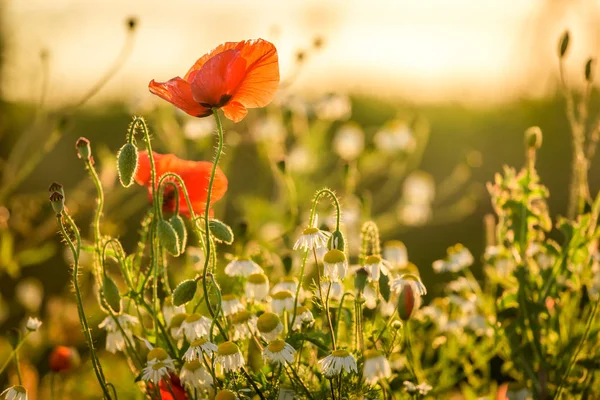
x=179, y=93
x=218, y=79
x=235, y=111
x=262, y=73
x=202, y=60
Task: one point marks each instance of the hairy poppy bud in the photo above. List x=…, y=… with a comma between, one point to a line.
x=63, y=359
x=563, y=44
x=533, y=137
x=184, y=292
x=84, y=150
x=408, y=302
x=127, y=163
x=168, y=238
x=360, y=279
x=589, y=69
x=221, y=231
x=336, y=241
x=110, y=293
x=178, y=224
x=58, y=202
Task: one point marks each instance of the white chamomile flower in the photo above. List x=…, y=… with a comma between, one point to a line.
x=410, y=289
x=194, y=376
x=312, y=238
x=244, y=324
x=269, y=325
x=422, y=388
x=159, y=365
x=394, y=251
x=334, y=290
x=419, y=188
x=169, y=311
x=257, y=287
x=16, y=392
x=230, y=357
x=376, y=266
x=242, y=266
x=282, y=301
x=335, y=265
x=175, y=325
x=395, y=136
x=33, y=324
x=195, y=326
x=230, y=304
x=115, y=340
x=375, y=367
x=287, y=283
x=197, y=347
x=409, y=279
x=279, y=352
x=337, y=361
x=349, y=141
x=458, y=258
x=303, y=315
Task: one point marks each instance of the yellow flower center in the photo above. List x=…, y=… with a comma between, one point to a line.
x=334, y=256
x=158, y=365
x=394, y=244
x=257, y=279
x=227, y=349
x=282, y=295
x=340, y=353
x=157, y=354
x=226, y=395
x=301, y=310
x=193, y=318
x=276, y=345
x=198, y=342
x=177, y=320
x=267, y=322
x=228, y=297
x=372, y=260
x=241, y=317
x=371, y=354
x=19, y=389
x=192, y=365
x=289, y=279
x=310, y=231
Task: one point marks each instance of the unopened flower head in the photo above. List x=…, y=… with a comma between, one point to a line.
x=312, y=238
x=231, y=304
x=376, y=266
x=303, y=316
x=257, y=287
x=194, y=376
x=33, y=324
x=335, y=265
x=16, y=392
x=282, y=301
x=376, y=367
x=279, y=352
x=244, y=324
x=338, y=361
x=195, y=326
x=243, y=266
x=458, y=258
x=197, y=347
x=269, y=325
x=230, y=357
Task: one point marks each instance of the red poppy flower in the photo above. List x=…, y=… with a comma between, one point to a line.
x=63, y=358
x=195, y=175
x=172, y=388
x=234, y=76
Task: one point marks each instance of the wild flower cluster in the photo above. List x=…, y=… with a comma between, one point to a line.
x=327, y=322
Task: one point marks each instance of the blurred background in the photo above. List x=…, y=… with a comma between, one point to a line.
x=405, y=108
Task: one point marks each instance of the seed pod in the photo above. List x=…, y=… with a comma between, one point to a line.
x=84, y=150
x=178, y=224
x=533, y=137
x=127, y=163
x=184, y=292
x=167, y=237
x=57, y=201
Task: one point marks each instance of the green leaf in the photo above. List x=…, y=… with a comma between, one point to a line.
x=184, y=292
x=384, y=287
x=110, y=292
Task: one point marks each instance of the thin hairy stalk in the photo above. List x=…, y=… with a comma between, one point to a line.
x=12, y=353
x=337, y=322
x=326, y=301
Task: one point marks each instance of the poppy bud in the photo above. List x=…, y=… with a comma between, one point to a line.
x=221, y=231
x=168, y=238
x=179, y=225
x=287, y=264
x=84, y=150
x=184, y=292
x=408, y=302
x=63, y=359
x=110, y=293
x=58, y=202
x=563, y=44
x=336, y=241
x=533, y=137
x=127, y=163
x=360, y=279
x=589, y=70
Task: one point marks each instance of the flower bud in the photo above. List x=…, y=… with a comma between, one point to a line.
x=127, y=163
x=57, y=201
x=178, y=224
x=360, y=279
x=184, y=292
x=167, y=236
x=221, y=231
x=533, y=137
x=336, y=241
x=563, y=44
x=84, y=150
x=408, y=302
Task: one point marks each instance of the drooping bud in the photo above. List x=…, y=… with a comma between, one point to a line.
x=360, y=279
x=221, y=231
x=533, y=137
x=408, y=302
x=84, y=150
x=127, y=163
x=287, y=264
x=167, y=237
x=110, y=293
x=57, y=201
x=336, y=241
x=563, y=44
x=184, y=292
x=179, y=225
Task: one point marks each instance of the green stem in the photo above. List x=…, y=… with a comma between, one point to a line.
x=409, y=352
x=83, y=319
x=10, y=356
x=325, y=301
